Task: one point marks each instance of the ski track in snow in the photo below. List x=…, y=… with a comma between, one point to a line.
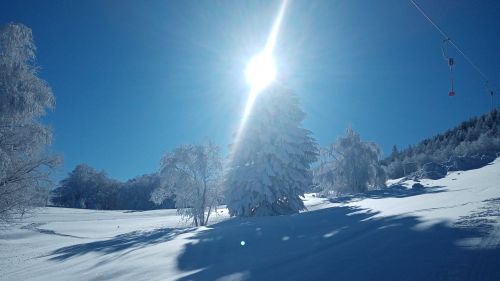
x=448, y=231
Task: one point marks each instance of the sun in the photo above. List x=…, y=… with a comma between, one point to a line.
x=260, y=71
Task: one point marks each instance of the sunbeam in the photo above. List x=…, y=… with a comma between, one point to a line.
x=261, y=70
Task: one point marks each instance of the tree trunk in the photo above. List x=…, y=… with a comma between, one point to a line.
x=208, y=215
x=203, y=202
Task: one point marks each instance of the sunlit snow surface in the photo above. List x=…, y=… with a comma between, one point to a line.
x=448, y=231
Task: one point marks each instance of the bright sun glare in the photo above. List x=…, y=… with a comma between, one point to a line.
x=260, y=71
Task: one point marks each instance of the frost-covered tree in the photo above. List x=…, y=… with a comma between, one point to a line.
x=350, y=166
x=269, y=169
x=191, y=173
x=87, y=188
x=394, y=152
x=24, y=100
x=395, y=168
x=135, y=194
x=473, y=138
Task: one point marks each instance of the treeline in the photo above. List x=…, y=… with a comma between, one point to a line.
x=473, y=138
x=88, y=188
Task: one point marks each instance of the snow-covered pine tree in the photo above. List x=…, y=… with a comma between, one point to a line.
x=269, y=169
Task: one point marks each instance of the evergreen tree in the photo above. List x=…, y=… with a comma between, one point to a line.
x=473, y=138
x=394, y=153
x=269, y=168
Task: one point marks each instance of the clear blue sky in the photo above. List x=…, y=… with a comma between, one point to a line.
x=134, y=79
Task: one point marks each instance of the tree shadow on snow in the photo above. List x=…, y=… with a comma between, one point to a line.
x=124, y=242
x=35, y=227
x=394, y=191
x=339, y=243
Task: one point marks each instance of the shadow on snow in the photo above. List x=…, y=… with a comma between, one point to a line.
x=339, y=243
x=124, y=242
x=394, y=191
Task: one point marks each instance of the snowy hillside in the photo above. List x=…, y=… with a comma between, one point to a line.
x=450, y=230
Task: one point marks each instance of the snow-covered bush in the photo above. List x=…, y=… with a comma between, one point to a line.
x=430, y=170
x=417, y=187
x=24, y=99
x=269, y=167
x=349, y=166
x=193, y=174
x=463, y=163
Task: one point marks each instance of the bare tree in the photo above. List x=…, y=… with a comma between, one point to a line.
x=191, y=173
x=24, y=99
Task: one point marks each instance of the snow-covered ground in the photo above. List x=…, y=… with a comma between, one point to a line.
x=448, y=231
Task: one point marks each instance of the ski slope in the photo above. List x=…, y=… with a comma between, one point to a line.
x=450, y=230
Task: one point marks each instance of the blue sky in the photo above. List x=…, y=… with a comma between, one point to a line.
x=134, y=79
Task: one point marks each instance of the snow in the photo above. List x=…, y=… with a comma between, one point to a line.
x=448, y=231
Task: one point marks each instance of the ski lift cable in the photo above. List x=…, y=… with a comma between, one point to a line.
x=453, y=43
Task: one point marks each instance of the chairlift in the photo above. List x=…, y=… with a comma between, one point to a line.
x=451, y=64
x=450, y=61
x=490, y=92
